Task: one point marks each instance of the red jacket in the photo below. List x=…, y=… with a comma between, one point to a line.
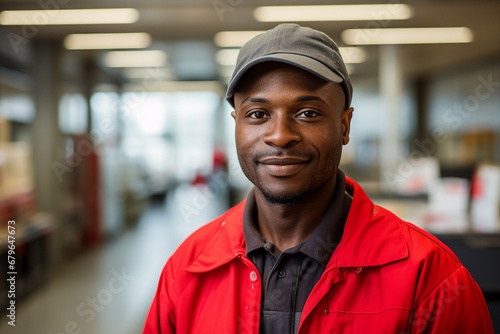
x=385, y=276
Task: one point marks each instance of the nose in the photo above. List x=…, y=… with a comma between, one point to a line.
x=282, y=132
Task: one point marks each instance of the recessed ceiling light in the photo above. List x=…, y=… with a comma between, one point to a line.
x=407, y=36
x=353, y=55
x=333, y=13
x=107, y=41
x=69, y=16
x=143, y=58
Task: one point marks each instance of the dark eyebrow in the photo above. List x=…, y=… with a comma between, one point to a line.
x=306, y=98
x=254, y=99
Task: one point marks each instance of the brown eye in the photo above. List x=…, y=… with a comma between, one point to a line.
x=258, y=114
x=308, y=114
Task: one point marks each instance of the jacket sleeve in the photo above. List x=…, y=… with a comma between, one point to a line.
x=456, y=305
x=161, y=315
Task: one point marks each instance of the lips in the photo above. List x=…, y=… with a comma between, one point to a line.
x=282, y=166
x=283, y=160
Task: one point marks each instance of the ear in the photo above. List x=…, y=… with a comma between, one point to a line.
x=346, y=124
x=233, y=113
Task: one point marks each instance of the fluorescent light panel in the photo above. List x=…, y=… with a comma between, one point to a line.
x=333, y=13
x=143, y=58
x=351, y=55
x=407, y=36
x=107, y=41
x=69, y=16
x=235, y=38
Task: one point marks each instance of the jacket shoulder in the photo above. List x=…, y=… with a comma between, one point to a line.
x=424, y=245
x=443, y=287
x=430, y=260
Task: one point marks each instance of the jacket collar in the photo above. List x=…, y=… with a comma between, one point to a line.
x=372, y=237
x=226, y=244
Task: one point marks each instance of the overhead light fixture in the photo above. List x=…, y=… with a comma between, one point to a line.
x=69, y=16
x=407, y=36
x=136, y=40
x=235, y=38
x=332, y=13
x=351, y=55
x=143, y=58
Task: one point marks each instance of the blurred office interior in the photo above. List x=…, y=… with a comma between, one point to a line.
x=116, y=141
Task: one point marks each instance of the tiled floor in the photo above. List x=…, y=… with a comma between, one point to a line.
x=108, y=290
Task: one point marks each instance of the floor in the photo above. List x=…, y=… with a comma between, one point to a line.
x=108, y=290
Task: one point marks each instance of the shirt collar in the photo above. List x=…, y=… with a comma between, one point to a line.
x=324, y=239
x=253, y=238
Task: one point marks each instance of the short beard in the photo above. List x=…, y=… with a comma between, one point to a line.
x=284, y=200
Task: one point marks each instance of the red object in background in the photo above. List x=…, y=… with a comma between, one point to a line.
x=477, y=187
x=219, y=159
x=86, y=190
x=198, y=180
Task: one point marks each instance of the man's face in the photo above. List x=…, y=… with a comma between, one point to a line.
x=290, y=128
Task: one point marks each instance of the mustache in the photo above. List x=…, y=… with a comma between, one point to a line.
x=280, y=153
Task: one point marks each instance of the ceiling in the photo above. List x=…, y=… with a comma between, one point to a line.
x=185, y=30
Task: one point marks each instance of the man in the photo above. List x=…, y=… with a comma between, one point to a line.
x=307, y=252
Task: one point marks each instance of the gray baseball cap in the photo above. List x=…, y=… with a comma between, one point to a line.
x=306, y=48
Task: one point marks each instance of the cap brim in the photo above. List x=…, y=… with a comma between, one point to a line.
x=308, y=64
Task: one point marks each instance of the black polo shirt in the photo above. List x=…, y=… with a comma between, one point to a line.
x=288, y=277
